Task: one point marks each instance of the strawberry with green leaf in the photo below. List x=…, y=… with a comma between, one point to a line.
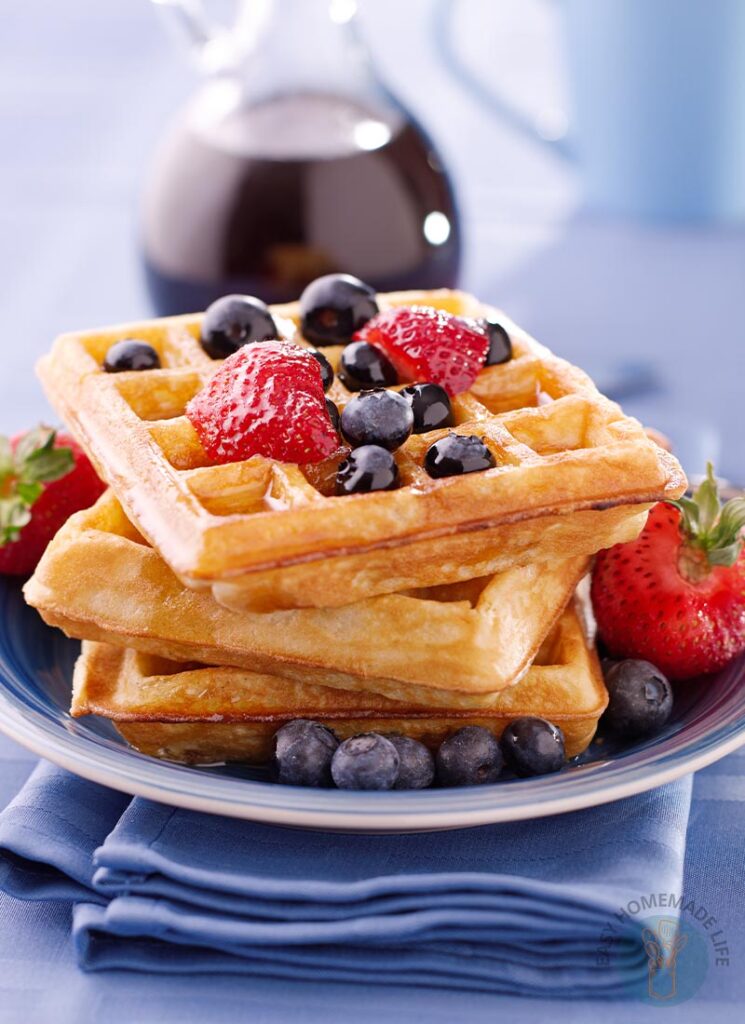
x=44, y=478
x=675, y=596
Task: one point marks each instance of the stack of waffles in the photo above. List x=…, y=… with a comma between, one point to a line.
x=216, y=602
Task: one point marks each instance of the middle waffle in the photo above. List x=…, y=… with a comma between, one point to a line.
x=457, y=645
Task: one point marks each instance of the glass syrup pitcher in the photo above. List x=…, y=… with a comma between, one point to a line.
x=292, y=161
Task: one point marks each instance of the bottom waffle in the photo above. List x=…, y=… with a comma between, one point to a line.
x=200, y=715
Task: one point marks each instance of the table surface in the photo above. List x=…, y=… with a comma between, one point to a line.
x=85, y=91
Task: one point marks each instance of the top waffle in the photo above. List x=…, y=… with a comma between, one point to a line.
x=266, y=534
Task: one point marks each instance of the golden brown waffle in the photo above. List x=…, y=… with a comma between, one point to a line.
x=196, y=714
x=454, y=645
x=264, y=534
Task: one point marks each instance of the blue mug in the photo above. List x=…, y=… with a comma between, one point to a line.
x=657, y=97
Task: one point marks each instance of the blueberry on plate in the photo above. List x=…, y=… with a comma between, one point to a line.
x=640, y=698
x=470, y=757
x=367, y=761
x=431, y=406
x=533, y=746
x=327, y=372
x=369, y=468
x=334, y=415
x=302, y=753
x=457, y=454
x=364, y=366
x=377, y=417
x=333, y=307
x=500, y=346
x=131, y=354
x=234, y=321
x=416, y=769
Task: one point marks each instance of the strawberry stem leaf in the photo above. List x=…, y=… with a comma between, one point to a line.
x=706, y=497
x=6, y=459
x=45, y=465
x=709, y=526
x=28, y=493
x=689, y=508
x=725, y=556
x=14, y=515
x=32, y=441
x=36, y=459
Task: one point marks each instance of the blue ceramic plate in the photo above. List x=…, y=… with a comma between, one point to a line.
x=35, y=671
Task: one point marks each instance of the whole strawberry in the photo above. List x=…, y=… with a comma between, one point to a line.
x=676, y=595
x=44, y=478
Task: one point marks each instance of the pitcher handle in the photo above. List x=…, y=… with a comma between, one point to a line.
x=215, y=48
x=527, y=126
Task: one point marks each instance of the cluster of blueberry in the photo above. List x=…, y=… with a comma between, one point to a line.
x=376, y=421
x=308, y=753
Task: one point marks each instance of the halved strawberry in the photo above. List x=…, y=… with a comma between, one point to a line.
x=266, y=399
x=44, y=478
x=426, y=344
x=676, y=595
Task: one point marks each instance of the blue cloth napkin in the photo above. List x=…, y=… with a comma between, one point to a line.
x=519, y=908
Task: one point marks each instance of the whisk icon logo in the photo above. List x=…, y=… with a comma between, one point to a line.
x=662, y=959
x=662, y=946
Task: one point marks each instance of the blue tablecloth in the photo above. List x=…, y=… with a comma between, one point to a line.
x=86, y=89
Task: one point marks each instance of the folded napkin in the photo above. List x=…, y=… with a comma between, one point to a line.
x=517, y=908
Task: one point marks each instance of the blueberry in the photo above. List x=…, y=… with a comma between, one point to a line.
x=131, y=354
x=533, y=746
x=641, y=698
x=369, y=468
x=377, y=417
x=334, y=415
x=234, y=321
x=431, y=406
x=368, y=761
x=457, y=454
x=327, y=372
x=500, y=346
x=416, y=768
x=303, y=752
x=364, y=366
x=470, y=757
x=333, y=307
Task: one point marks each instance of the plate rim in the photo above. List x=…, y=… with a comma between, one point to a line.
x=51, y=741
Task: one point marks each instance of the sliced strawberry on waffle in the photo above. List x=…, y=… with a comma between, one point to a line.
x=266, y=399
x=426, y=344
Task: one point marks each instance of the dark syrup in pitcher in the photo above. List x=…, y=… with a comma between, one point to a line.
x=267, y=199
